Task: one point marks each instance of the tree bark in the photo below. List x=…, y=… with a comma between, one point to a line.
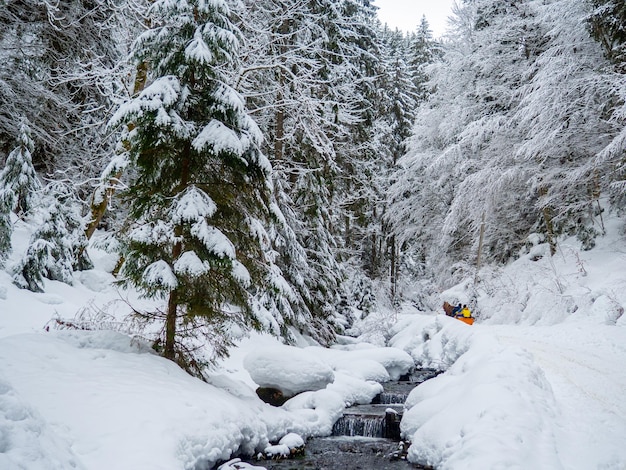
x=172, y=303
x=547, y=218
x=170, y=326
x=393, y=268
x=480, y=246
x=98, y=210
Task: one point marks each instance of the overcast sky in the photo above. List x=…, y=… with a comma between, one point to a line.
x=406, y=14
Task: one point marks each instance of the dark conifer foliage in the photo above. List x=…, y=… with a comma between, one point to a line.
x=18, y=177
x=56, y=247
x=200, y=189
x=607, y=23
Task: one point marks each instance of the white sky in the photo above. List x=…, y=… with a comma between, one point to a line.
x=406, y=14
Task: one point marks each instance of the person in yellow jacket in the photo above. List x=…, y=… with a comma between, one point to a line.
x=465, y=312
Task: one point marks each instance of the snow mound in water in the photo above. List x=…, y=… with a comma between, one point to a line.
x=288, y=369
x=366, y=362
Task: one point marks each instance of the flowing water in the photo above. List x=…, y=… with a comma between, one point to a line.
x=344, y=453
x=367, y=437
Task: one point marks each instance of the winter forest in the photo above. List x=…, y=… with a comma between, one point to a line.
x=290, y=166
x=277, y=163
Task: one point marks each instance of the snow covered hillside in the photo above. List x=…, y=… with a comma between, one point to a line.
x=537, y=382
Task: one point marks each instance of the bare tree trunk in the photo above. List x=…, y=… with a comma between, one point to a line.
x=98, y=209
x=172, y=308
x=280, y=128
x=170, y=326
x=393, y=271
x=480, y=247
x=373, y=250
x=595, y=196
x=547, y=218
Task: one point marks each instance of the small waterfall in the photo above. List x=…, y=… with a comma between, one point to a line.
x=382, y=417
x=359, y=425
x=390, y=398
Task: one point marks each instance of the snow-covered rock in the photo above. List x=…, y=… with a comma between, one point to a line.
x=237, y=464
x=292, y=440
x=288, y=369
x=95, y=280
x=288, y=445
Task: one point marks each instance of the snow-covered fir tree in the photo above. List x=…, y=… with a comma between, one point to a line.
x=19, y=187
x=56, y=247
x=304, y=74
x=386, y=148
x=200, y=192
x=18, y=176
x=423, y=50
x=6, y=227
x=400, y=85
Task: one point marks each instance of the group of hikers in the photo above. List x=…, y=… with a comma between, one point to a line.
x=458, y=311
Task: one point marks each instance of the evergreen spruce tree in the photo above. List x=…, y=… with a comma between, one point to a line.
x=201, y=185
x=55, y=248
x=423, y=50
x=306, y=69
x=6, y=228
x=18, y=175
x=18, y=187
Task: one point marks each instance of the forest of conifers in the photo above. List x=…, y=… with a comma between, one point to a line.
x=276, y=163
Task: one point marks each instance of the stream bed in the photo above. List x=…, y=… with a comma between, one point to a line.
x=367, y=437
x=344, y=453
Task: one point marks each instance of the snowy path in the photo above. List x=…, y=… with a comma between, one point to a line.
x=587, y=372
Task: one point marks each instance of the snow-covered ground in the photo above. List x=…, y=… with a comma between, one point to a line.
x=537, y=382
